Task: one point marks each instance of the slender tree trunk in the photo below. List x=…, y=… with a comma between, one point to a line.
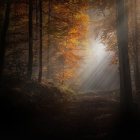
x=3, y=36
x=49, y=43
x=40, y=53
x=122, y=36
x=37, y=22
x=30, y=58
x=136, y=59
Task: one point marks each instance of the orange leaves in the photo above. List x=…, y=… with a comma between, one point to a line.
x=68, y=32
x=65, y=75
x=64, y=32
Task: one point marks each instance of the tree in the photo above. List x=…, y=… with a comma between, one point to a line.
x=72, y=24
x=30, y=58
x=38, y=44
x=106, y=25
x=122, y=36
x=135, y=46
x=3, y=35
x=40, y=52
x=49, y=40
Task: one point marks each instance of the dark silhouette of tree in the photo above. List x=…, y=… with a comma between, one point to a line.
x=135, y=46
x=40, y=52
x=122, y=36
x=49, y=43
x=30, y=59
x=3, y=35
x=37, y=18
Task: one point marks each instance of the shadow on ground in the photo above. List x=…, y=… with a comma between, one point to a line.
x=84, y=117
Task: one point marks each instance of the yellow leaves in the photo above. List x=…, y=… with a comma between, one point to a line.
x=72, y=31
x=115, y=60
x=65, y=75
x=69, y=31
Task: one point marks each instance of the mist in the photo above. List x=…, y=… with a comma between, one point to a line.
x=97, y=73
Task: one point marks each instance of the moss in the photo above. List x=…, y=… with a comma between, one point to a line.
x=66, y=89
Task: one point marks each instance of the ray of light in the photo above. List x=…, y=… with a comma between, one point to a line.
x=96, y=73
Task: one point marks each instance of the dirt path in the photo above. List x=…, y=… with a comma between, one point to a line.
x=88, y=117
x=95, y=116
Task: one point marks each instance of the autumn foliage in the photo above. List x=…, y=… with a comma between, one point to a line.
x=64, y=30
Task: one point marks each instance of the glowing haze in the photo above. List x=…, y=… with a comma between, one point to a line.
x=96, y=73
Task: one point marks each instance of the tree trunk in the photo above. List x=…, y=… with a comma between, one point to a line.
x=30, y=58
x=122, y=36
x=136, y=59
x=40, y=53
x=3, y=36
x=49, y=43
x=37, y=22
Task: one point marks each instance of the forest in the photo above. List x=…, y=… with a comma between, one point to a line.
x=70, y=69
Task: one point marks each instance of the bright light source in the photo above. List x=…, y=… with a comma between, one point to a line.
x=96, y=72
x=97, y=50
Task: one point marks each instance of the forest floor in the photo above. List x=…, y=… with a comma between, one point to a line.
x=90, y=116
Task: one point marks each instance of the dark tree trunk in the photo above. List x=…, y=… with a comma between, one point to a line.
x=136, y=53
x=3, y=36
x=40, y=53
x=37, y=18
x=30, y=58
x=49, y=43
x=122, y=35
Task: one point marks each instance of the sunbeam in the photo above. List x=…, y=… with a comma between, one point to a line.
x=70, y=69
x=97, y=73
